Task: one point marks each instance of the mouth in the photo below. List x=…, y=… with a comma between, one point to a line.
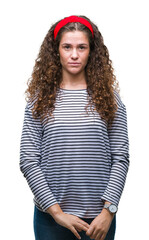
x=74, y=63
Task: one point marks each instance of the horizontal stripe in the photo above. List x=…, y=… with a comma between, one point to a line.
x=75, y=160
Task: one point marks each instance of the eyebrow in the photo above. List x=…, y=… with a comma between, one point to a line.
x=78, y=44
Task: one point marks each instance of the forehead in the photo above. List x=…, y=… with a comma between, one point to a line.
x=74, y=37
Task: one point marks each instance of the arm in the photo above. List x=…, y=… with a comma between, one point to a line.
x=118, y=138
x=119, y=144
x=30, y=157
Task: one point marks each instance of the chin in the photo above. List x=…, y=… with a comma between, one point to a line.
x=75, y=71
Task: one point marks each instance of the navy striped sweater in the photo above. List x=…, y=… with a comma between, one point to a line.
x=75, y=160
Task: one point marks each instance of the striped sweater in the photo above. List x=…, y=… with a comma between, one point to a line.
x=75, y=160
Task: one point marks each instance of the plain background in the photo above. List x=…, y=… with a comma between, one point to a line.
x=124, y=26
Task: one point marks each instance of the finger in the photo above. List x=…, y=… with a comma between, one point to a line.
x=75, y=232
x=78, y=229
x=90, y=231
x=80, y=226
x=98, y=237
x=103, y=237
x=84, y=223
x=93, y=235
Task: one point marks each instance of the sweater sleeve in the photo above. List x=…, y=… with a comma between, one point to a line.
x=119, y=146
x=30, y=159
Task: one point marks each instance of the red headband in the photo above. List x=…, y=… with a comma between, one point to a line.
x=66, y=20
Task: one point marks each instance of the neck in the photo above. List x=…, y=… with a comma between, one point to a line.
x=71, y=81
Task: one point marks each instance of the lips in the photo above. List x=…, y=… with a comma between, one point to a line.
x=74, y=63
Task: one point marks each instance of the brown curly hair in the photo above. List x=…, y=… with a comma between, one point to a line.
x=47, y=74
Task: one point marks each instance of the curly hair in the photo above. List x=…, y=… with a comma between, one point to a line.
x=47, y=74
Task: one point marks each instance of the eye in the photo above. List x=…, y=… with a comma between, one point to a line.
x=67, y=47
x=82, y=47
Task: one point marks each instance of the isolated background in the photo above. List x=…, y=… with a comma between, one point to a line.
x=124, y=26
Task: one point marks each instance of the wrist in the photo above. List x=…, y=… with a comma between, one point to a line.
x=54, y=210
x=107, y=213
x=110, y=207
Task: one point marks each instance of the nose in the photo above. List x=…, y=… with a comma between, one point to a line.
x=74, y=54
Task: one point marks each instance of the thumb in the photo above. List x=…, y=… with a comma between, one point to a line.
x=90, y=230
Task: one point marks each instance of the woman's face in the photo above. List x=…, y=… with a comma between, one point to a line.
x=74, y=51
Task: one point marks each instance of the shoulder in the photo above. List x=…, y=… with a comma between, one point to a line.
x=118, y=99
x=29, y=108
x=30, y=103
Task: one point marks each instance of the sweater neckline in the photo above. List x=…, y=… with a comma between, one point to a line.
x=63, y=89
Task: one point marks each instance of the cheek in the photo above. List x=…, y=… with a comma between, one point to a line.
x=85, y=58
x=63, y=58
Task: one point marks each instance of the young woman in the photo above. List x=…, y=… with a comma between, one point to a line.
x=74, y=144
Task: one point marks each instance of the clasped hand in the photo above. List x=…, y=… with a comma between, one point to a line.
x=100, y=225
x=96, y=230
